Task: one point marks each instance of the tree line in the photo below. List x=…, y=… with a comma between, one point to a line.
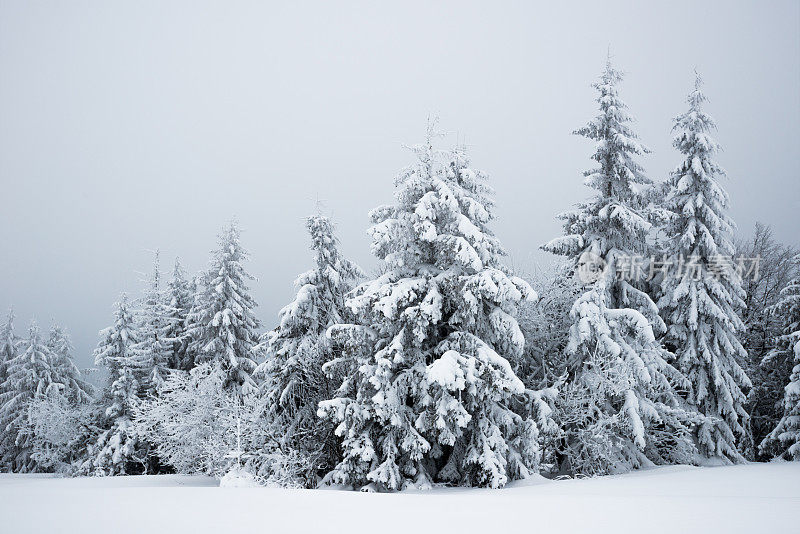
x=652, y=342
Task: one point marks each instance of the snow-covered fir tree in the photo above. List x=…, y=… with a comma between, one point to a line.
x=179, y=301
x=191, y=328
x=154, y=348
x=702, y=295
x=429, y=394
x=613, y=356
x=59, y=424
x=222, y=320
x=785, y=438
x=9, y=345
x=294, y=381
x=118, y=450
x=65, y=372
x=30, y=375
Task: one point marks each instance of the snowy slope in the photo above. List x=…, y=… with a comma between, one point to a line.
x=746, y=498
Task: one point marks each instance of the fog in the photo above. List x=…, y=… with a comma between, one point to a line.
x=131, y=126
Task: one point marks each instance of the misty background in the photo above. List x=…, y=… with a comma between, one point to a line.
x=126, y=127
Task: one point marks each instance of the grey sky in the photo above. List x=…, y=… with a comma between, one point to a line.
x=130, y=126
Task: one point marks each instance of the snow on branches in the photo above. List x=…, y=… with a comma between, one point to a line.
x=434, y=397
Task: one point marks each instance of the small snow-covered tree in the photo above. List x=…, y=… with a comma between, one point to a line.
x=192, y=328
x=118, y=450
x=75, y=389
x=785, y=438
x=30, y=375
x=9, y=343
x=294, y=381
x=190, y=421
x=429, y=393
x=116, y=341
x=60, y=424
x=222, y=321
x=9, y=347
x=612, y=353
x=545, y=324
x=62, y=431
x=179, y=301
x=199, y=426
x=701, y=304
x=154, y=348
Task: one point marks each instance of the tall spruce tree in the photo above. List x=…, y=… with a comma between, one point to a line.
x=784, y=440
x=223, y=322
x=118, y=451
x=613, y=354
x=30, y=376
x=297, y=350
x=429, y=393
x=702, y=296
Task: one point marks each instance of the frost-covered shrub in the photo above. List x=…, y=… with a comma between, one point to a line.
x=62, y=432
x=589, y=440
x=545, y=323
x=192, y=422
x=196, y=425
x=594, y=440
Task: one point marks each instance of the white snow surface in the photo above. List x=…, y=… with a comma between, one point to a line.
x=743, y=498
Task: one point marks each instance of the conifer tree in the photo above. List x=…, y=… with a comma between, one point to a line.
x=702, y=298
x=75, y=389
x=294, y=381
x=179, y=303
x=223, y=323
x=429, y=393
x=30, y=375
x=9, y=347
x=785, y=438
x=613, y=355
x=153, y=349
x=192, y=328
x=118, y=450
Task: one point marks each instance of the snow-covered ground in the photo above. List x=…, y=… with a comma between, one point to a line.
x=746, y=498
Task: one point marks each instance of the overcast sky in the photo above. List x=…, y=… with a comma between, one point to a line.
x=130, y=126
